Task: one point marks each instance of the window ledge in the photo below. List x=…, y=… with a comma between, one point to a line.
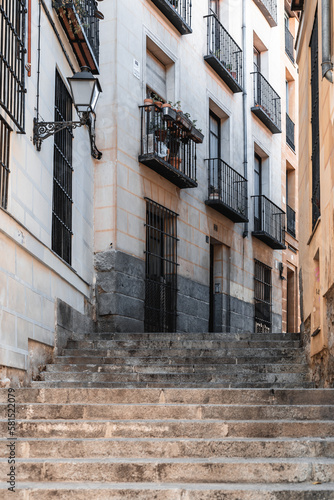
x=314, y=230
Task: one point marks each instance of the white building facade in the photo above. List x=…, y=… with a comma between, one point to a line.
x=179, y=226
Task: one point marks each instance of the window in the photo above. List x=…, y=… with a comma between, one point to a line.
x=262, y=296
x=161, y=268
x=5, y=131
x=214, y=6
x=214, y=152
x=12, y=52
x=156, y=80
x=62, y=175
x=257, y=187
x=315, y=123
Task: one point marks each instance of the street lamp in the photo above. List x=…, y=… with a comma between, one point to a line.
x=85, y=90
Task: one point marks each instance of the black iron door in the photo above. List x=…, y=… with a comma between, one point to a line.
x=161, y=268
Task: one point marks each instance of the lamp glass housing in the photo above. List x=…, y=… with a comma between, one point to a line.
x=85, y=89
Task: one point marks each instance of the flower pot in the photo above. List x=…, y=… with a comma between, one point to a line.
x=166, y=105
x=158, y=104
x=148, y=103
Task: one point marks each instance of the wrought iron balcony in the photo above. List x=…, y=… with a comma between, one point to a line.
x=289, y=43
x=79, y=21
x=269, y=10
x=290, y=132
x=291, y=221
x=168, y=145
x=269, y=222
x=178, y=12
x=227, y=190
x=267, y=103
x=223, y=54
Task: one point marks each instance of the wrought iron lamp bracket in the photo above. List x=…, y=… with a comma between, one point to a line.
x=43, y=130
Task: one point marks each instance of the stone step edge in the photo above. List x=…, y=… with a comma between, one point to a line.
x=173, y=486
x=279, y=439
x=158, y=460
x=173, y=420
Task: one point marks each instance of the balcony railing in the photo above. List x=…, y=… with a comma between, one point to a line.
x=291, y=221
x=269, y=222
x=269, y=10
x=227, y=190
x=168, y=146
x=290, y=132
x=267, y=103
x=223, y=54
x=289, y=42
x=78, y=18
x=178, y=12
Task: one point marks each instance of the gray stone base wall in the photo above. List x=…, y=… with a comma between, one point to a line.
x=192, y=306
x=120, y=292
x=241, y=316
x=71, y=324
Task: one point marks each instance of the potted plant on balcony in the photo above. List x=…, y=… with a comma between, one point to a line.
x=157, y=100
x=214, y=193
x=148, y=103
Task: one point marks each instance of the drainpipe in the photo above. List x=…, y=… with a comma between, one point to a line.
x=327, y=66
x=244, y=104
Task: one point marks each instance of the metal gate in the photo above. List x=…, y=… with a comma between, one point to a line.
x=161, y=268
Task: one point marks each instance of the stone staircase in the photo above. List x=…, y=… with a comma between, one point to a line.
x=166, y=417
x=180, y=360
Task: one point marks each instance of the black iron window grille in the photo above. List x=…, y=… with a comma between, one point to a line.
x=80, y=22
x=12, y=57
x=167, y=146
x=178, y=12
x=289, y=43
x=315, y=124
x=290, y=132
x=221, y=45
x=267, y=103
x=5, y=131
x=228, y=187
x=161, y=268
x=269, y=219
x=62, y=175
x=262, y=298
x=291, y=221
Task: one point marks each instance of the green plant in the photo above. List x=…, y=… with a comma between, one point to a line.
x=157, y=98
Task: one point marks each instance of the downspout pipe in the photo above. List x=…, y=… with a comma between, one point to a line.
x=326, y=65
x=244, y=105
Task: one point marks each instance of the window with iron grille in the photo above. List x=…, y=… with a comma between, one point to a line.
x=5, y=131
x=315, y=123
x=62, y=175
x=12, y=55
x=161, y=268
x=262, y=297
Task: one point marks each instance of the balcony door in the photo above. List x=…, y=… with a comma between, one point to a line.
x=214, y=155
x=257, y=191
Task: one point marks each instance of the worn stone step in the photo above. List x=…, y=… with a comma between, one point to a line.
x=262, y=337
x=176, y=428
x=171, y=385
x=170, y=448
x=175, y=395
x=222, y=368
x=177, y=470
x=170, y=491
x=176, y=378
x=95, y=411
x=164, y=360
x=289, y=354
x=164, y=344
